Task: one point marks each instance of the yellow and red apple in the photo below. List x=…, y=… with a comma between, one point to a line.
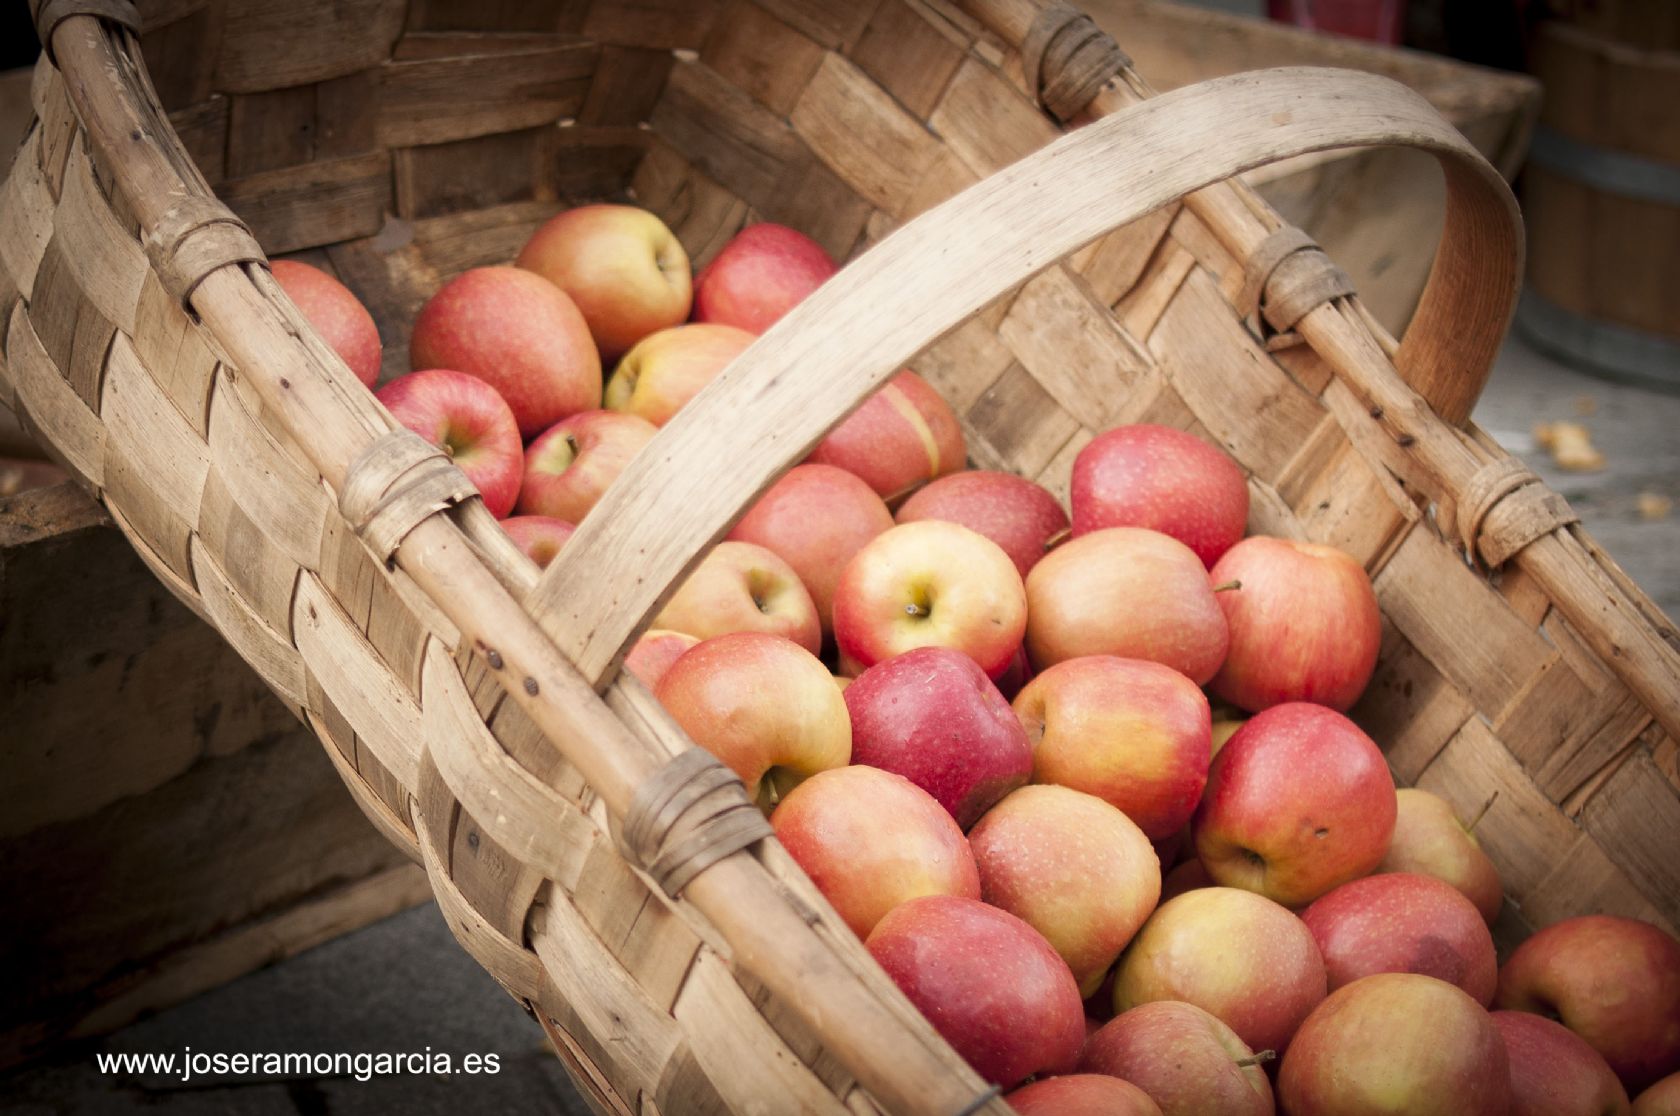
x=763, y=705
x=623, y=267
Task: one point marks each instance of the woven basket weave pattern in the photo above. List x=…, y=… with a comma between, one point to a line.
x=845, y=120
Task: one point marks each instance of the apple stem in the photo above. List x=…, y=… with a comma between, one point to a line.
x=916, y=610
x=1482, y=813
x=1057, y=539
x=1257, y=1058
x=1227, y=586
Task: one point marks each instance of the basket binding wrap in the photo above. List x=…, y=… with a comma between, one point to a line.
x=475, y=709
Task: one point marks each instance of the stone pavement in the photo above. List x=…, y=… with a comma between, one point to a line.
x=403, y=985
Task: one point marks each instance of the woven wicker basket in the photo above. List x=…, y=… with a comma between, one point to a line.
x=474, y=708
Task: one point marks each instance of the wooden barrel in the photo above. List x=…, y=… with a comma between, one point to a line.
x=1602, y=193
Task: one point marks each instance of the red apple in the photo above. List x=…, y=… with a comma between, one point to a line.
x=1613, y=981
x=652, y=654
x=989, y=983
x=465, y=418
x=1396, y=1043
x=337, y=315
x=1082, y=1094
x=667, y=369
x=626, y=271
x=1187, y=876
x=763, y=705
x=570, y=465
x=1188, y=1062
x=1018, y=515
x=1133, y=733
x=815, y=518
x=1430, y=840
x=1129, y=592
x=1554, y=1072
x=539, y=536
x=1299, y=801
x=1016, y=675
x=1403, y=923
x=930, y=584
x=764, y=272
x=1165, y=480
x=1075, y=868
x=1304, y=625
x=518, y=333
x=739, y=587
x=871, y=840
x=932, y=716
x=900, y=438
x=1234, y=954
x=1661, y=1099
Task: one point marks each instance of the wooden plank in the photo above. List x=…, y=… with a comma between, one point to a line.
x=1408, y=708
x=835, y=26
x=270, y=129
x=1586, y=881
x=1635, y=818
x=1340, y=500
x=72, y=330
x=319, y=919
x=351, y=673
x=762, y=55
x=1523, y=830
x=181, y=48
x=26, y=208
x=1446, y=612
x=988, y=123
x=105, y=256
x=155, y=463
x=912, y=52
x=1113, y=265
x=741, y=144
x=627, y=83
x=492, y=84
x=861, y=134
x=717, y=1018
x=66, y=428
x=1258, y=414
x=319, y=203
x=473, y=173
x=1017, y=425
x=85, y=618
x=317, y=45
x=652, y=24
x=1073, y=347
x=267, y=648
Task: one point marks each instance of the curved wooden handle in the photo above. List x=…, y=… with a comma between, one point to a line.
x=778, y=399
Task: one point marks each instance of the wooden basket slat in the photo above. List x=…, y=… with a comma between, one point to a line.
x=845, y=120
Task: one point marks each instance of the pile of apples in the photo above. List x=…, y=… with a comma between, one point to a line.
x=983, y=725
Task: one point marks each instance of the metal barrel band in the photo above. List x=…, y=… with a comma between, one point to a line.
x=687, y=816
x=396, y=484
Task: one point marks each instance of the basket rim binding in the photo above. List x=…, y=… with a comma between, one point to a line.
x=310, y=390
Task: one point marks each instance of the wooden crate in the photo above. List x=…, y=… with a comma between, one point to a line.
x=1377, y=211
x=166, y=823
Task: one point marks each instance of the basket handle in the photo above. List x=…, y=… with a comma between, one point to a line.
x=767, y=410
